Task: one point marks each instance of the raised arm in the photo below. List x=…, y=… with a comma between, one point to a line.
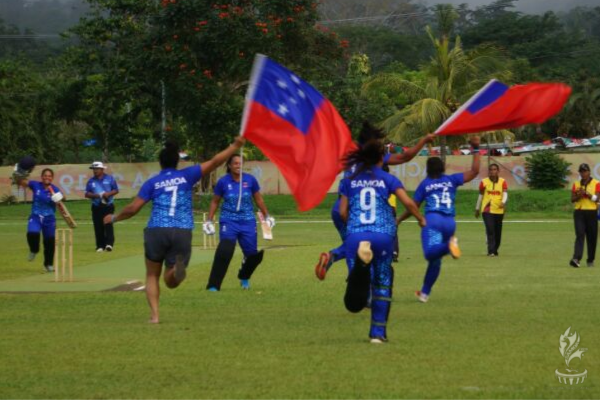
x=474, y=171
x=127, y=212
x=409, y=154
x=223, y=156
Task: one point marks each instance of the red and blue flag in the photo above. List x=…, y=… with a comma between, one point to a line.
x=297, y=128
x=498, y=106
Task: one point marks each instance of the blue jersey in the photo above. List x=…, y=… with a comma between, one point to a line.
x=229, y=190
x=347, y=173
x=368, y=193
x=99, y=186
x=42, y=202
x=171, y=194
x=439, y=194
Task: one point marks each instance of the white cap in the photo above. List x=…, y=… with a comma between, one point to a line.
x=97, y=164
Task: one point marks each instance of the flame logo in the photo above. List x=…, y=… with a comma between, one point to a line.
x=568, y=344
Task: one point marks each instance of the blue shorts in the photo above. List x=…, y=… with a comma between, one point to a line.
x=438, y=231
x=243, y=232
x=37, y=223
x=382, y=246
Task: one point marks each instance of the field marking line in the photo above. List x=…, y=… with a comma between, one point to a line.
x=524, y=221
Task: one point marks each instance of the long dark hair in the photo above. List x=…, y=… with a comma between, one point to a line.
x=230, y=161
x=369, y=132
x=169, y=156
x=365, y=157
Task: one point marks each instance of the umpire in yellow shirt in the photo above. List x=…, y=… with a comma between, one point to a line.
x=493, y=195
x=585, y=195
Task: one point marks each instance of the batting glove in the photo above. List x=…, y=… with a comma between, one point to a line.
x=270, y=221
x=209, y=228
x=56, y=197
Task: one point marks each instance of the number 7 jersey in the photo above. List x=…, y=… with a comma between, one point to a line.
x=439, y=194
x=368, y=207
x=171, y=194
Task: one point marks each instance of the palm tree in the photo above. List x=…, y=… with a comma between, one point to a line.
x=450, y=78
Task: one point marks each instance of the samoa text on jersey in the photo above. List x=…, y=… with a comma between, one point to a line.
x=42, y=199
x=99, y=186
x=171, y=194
x=348, y=173
x=439, y=194
x=229, y=190
x=368, y=207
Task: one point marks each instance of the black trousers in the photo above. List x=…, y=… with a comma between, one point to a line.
x=493, y=231
x=105, y=235
x=586, y=227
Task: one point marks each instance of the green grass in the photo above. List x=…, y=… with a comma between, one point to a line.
x=490, y=330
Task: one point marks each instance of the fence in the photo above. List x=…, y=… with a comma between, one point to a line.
x=72, y=178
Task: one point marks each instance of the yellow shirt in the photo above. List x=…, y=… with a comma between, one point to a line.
x=591, y=189
x=492, y=195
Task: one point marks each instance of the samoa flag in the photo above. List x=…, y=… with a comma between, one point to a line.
x=498, y=106
x=297, y=128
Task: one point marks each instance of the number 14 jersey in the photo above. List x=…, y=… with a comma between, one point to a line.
x=368, y=207
x=439, y=194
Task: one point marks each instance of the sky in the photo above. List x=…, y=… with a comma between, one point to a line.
x=529, y=6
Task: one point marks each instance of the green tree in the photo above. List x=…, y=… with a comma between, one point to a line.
x=546, y=170
x=450, y=78
x=202, y=52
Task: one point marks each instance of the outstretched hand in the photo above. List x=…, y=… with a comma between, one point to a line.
x=108, y=219
x=239, y=141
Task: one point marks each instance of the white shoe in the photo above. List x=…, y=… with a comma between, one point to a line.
x=99, y=250
x=108, y=248
x=49, y=268
x=31, y=256
x=377, y=340
x=422, y=297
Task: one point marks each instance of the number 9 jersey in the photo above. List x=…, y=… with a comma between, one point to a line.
x=439, y=194
x=171, y=194
x=368, y=193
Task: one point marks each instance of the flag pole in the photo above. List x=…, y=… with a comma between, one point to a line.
x=257, y=66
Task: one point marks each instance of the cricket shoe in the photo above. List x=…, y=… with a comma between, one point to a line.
x=454, y=249
x=574, y=263
x=108, y=248
x=590, y=264
x=422, y=297
x=31, y=256
x=49, y=268
x=213, y=289
x=99, y=250
x=378, y=340
x=325, y=262
x=245, y=284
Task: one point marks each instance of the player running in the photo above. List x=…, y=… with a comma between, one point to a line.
x=367, y=133
x=168, y=235
x=43, y=209
x=438, y=191
x=371, y=228
x=235, y=225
